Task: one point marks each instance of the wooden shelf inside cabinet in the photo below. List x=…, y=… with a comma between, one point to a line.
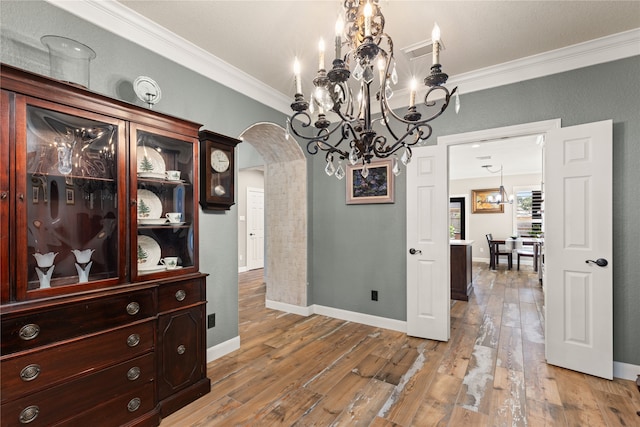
x=217, y=170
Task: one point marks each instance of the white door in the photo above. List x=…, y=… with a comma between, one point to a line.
x=428, y=288
x=578, y=230
x=255, y=228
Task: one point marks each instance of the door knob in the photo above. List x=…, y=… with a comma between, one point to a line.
x=413, y=251
x=251, y=234
x=600, y=262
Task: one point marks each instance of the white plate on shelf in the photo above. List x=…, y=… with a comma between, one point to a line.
x=148, y=247
x=154, y=221
x=149, y=202
x=152, y=270
x=153, y=175
x=154, y=163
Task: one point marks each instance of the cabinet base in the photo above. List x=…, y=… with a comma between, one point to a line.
x=182, y=398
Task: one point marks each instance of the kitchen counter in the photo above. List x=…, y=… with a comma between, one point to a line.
x=461, y=274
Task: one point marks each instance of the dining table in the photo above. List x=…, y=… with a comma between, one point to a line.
x=513, y=244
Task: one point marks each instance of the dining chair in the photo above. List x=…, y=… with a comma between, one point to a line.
x=527, y=250
x=495, y=252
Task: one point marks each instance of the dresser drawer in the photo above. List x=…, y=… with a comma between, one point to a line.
x=178, y=295
x=22, y=332
x=32, y=371
x=67, y=400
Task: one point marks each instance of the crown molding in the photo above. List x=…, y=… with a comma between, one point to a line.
x=124, y=22
x=116, y=18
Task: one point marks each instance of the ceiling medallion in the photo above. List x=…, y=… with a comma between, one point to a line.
x=351, y=134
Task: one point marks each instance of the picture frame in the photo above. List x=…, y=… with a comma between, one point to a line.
x=70, y=196
x=377, y=187
x=479, y=203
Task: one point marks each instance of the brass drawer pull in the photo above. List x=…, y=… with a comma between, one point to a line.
x=133, y=373
x=181, y=349
x=181, y=295
x=30, y=372
x=133, y=340
x=29, y=332
x=29, y=414
x=134, y=404
x=133, y=308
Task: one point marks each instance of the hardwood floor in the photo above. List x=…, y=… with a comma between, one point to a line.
x=318, y=371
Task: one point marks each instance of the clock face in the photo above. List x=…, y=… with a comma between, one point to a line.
x=219, y=161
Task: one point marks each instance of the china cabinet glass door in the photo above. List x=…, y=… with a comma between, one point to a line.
x=164, y=204
x=70, y=200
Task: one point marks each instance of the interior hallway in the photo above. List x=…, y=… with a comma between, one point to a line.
x=319, y=371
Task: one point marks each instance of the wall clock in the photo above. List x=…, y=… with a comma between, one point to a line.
x=217, y=160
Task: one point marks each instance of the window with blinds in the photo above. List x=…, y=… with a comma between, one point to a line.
x=529, y=213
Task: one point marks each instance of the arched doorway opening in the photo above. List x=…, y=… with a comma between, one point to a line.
x=285, y=213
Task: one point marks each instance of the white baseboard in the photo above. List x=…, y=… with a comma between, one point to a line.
x=289, y=308
x=336, y=313
x=224, y=348
x=365, y=319
x=242, y=269
x=626, y=371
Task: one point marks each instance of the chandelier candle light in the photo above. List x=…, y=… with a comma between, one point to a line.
x=353, y=126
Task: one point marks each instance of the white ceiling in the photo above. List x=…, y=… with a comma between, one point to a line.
x=262, y=37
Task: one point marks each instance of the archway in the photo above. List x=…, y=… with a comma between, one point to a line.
x=285, y=213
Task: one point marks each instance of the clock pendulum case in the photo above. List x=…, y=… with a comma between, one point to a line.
x=217, y=168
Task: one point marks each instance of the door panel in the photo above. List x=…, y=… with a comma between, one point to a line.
x=428, y=289
x=578, y=293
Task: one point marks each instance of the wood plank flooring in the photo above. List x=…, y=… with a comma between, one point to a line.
x=318, y=371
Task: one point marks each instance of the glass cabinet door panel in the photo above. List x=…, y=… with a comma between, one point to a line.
x=165, y=205
x=72, y=199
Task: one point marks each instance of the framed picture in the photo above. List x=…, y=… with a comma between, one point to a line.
x=70, y=196
x=377, y=187
x=481, y=204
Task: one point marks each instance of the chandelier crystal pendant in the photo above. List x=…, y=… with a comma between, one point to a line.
x=352, y=134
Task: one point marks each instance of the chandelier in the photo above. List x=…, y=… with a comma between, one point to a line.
x=501, y=198
x=351, y=134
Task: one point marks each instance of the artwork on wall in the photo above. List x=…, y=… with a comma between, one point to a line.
x=377, y=187
x=482, y=201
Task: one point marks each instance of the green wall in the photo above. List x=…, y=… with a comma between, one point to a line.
x=359, y=248
x=354, y=249
x=185, y=94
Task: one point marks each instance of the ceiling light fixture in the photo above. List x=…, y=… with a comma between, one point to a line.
x=363, y=32
x=502, y=198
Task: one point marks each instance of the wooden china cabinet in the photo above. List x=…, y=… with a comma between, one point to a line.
x=102, y=304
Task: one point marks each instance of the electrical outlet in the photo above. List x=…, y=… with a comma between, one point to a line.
x=211, y=320
x=374, y=295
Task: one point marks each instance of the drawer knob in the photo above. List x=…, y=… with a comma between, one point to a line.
x=133, y=340
x=133, y=373
x=29, y=332
x=181, y=349
x=29, y=414
x=30, y=372
x=133, y=308
x=181, y=295
x=134, y=404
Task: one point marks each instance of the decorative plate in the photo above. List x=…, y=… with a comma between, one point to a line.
x=147, y=90
x=148, y=253
x=149, y=206
x=153, y=221
x=150, y=163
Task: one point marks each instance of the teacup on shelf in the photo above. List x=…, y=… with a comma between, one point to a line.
x=174, y=217
x=172, y=175
x=170, y=262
